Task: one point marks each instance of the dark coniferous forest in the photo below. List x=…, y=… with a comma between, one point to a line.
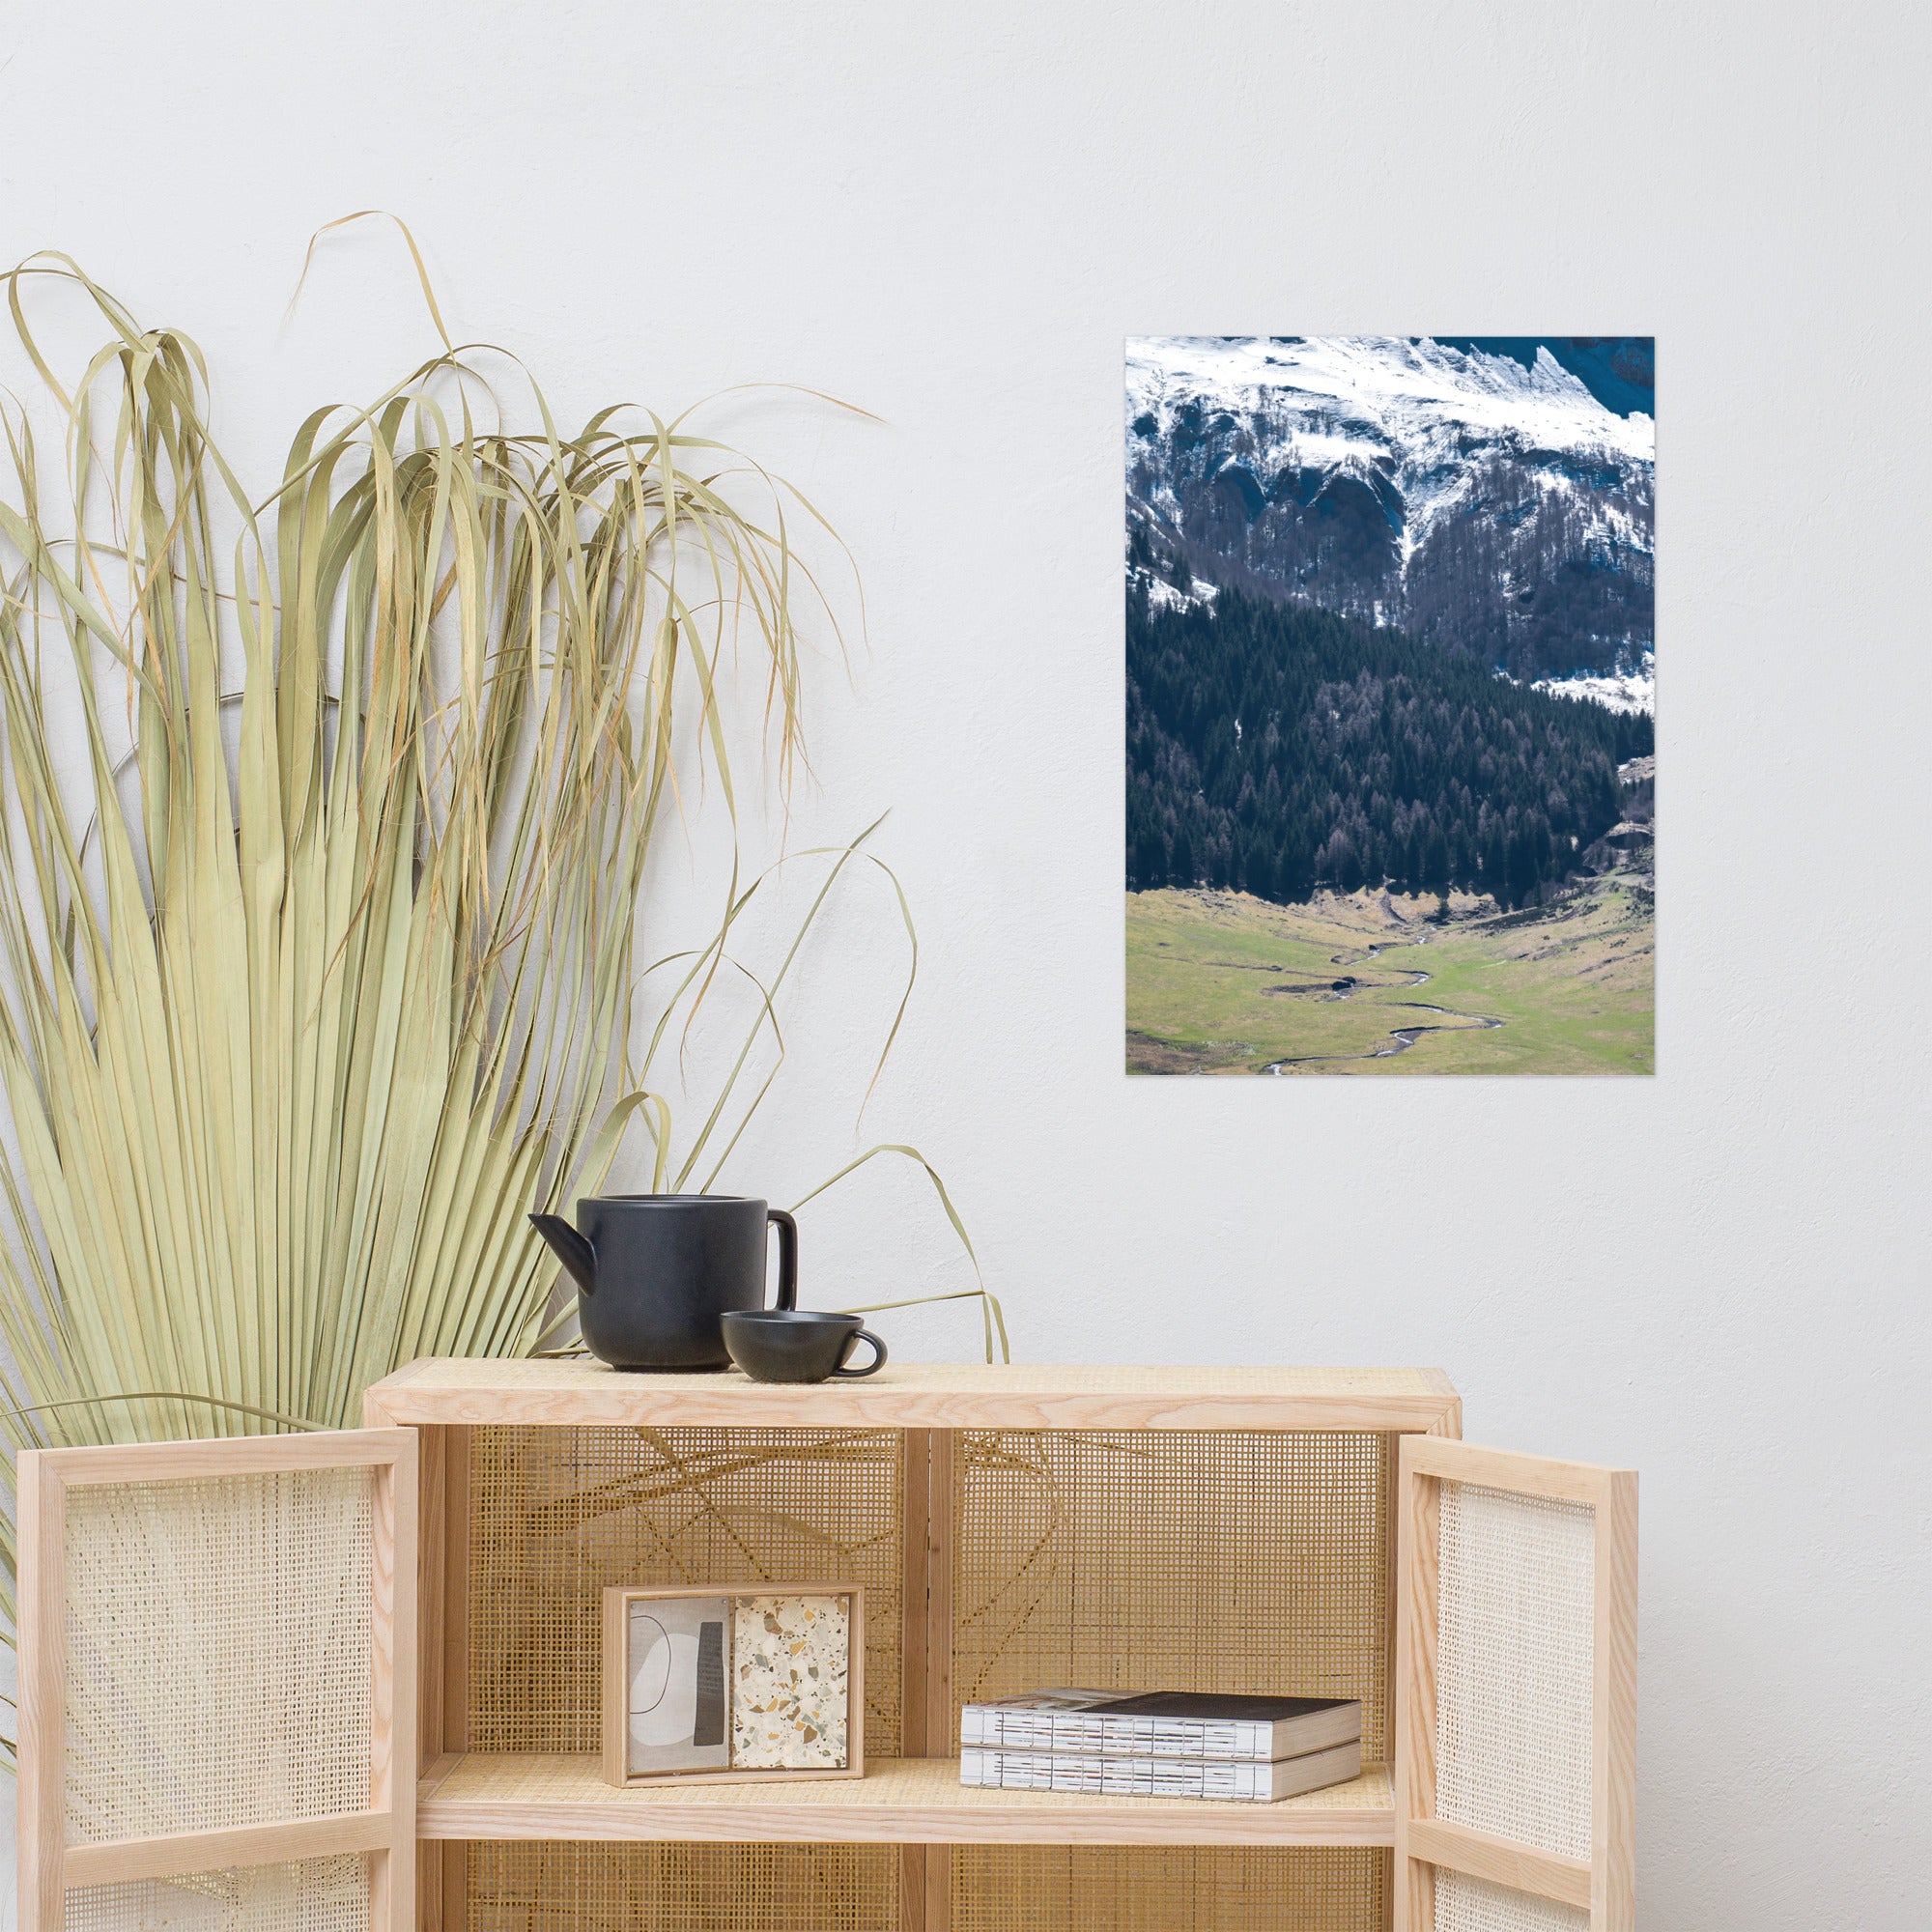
x=1277, y=750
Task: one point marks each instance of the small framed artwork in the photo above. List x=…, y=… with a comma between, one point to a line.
x=751, y=1684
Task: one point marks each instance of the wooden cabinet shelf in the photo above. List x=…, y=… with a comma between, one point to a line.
x=899, y=1802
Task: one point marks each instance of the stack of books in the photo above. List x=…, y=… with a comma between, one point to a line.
x=1164, y=1744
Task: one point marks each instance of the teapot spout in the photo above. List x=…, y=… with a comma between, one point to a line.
x=570, y=1249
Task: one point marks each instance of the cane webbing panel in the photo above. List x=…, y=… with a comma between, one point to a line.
x=1465, y=1904
x=313, y=1895
x=1514, y=1666
x=1110, y=1888
x=218, y=1652
x=1249, y=1561
x=558, y=1514
x=538, y=1887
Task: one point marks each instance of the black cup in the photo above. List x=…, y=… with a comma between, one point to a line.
x=789, y=1345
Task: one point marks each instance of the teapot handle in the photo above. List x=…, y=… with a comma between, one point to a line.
x=787, y=1257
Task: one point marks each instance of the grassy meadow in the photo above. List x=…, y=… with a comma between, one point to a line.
x=1220, y=982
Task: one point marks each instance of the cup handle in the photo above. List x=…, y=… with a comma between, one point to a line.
x=873, y=1367
x=787, y=1257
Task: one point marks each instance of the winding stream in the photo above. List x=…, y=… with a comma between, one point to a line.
x=1401, y=1038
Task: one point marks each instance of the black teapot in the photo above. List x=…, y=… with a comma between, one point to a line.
x=656, y=1272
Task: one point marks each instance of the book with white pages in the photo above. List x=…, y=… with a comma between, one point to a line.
x=1162, y=1724
x=1231, y=1781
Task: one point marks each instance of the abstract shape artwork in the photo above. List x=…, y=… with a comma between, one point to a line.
x=677, y=1684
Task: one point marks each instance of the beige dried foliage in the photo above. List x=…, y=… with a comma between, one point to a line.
x=321, y=972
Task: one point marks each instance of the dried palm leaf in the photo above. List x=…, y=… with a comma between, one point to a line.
x=320, y=974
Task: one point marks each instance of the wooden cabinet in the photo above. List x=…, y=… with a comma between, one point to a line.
x=1320, y=1530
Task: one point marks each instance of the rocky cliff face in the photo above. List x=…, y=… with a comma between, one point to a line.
x=1484, y=502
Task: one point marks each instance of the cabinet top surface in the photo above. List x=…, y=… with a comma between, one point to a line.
x=921, y=1396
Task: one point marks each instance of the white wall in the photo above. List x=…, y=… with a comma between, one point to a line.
x=1718, y=1275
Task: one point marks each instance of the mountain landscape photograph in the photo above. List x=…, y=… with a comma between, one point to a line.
x=1391, y=704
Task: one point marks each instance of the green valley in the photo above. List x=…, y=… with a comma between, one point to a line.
x=1221, y=982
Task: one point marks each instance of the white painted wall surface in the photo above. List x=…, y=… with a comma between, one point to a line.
x=1718, y=1275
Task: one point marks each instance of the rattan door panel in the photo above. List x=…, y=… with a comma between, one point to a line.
x=1516, y=1693
x=309, y=1895
x=1466, y=1904
x=217, y=1707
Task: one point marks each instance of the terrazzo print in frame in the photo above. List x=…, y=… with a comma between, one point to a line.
x=790, y=1682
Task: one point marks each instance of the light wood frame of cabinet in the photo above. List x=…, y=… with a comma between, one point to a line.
x=1603, y=1886
x=617, y=1682
x=418, y=1446
x=915, y=1802
x=386, y=1830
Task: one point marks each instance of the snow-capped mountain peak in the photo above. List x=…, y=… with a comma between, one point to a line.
x=1385, y=386
x=1393, y=470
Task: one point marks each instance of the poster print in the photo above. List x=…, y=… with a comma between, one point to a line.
x=1390, y=665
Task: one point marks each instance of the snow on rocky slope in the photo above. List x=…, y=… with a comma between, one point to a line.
x=1483, y=504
